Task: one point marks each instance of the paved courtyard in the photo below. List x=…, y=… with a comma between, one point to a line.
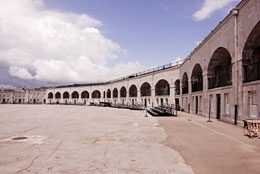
x=48, y=139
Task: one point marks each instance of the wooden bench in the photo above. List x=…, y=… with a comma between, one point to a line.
x=252, y=128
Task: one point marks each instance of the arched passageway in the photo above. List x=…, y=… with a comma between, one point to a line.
x=133, y=91
x=115, y=93
x=123, y=92
x=57, y=95
x=220, y=69
x=84, y=95
x=50, y=95
x=145, y=89
x=162, y=88
x=66, y=95
x=251, y=56
x=197, y=78
x=75, y=95
x=185, y=83
x=177, y=87
x=108, y=93
x=96, y=94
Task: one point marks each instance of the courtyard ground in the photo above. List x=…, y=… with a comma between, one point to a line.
x=212, y=148
x=56, y=139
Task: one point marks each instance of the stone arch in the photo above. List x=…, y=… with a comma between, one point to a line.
x=50, y=95
x=85, y=94
x=66, y=95
x=251, y=56
x=133, y=91
x=75, y=95
x=220, y=69
x=177, y=87
x=185, y=83
x=57, y=95
x=145, y=89
x=108, y=93
x=123, y=92
x=197, y=78
x=115, y=93
x=162, y=87
x=96, y=94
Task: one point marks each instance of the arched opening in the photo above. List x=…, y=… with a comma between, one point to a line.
x=85, y=94
x=75, y=95
x=57, y=95
x=123, y=92
x=162, y=88
x=251, y=56
x=96, y=94
x=220, y=69
x=115, y=93
x=104, y=94
x=133, y=91
x=66, y=95
x=108, y=93
x=177, y=87
x=145, y=89
x=50, y=95
x=197, y=79
x=185, y=83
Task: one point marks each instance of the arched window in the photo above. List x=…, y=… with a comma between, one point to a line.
x=75, y=95
x=177, y=87
x=133, y=91
x=66, y=95
x=96, y=94
x=251, y=56
x=115, y=93
x=123, y=92
x=162, y=88
x=220, y=69
x=57, y=95
x=197, y=79
x=85, y=94
x=108, y=93
x=145, y=89
x=185, y=83
x=50, y=95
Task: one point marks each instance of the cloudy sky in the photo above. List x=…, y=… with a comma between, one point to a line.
x=49, y=42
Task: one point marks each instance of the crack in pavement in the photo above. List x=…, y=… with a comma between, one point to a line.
x=29, y=165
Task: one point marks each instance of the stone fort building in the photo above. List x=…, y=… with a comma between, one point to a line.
x=220, y=77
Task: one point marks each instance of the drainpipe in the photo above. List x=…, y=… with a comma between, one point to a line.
x=235, y=13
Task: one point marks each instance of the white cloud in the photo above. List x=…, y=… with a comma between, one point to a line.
x=41, y=44
x=198, y=42
x=19, y=72
x=210, y=6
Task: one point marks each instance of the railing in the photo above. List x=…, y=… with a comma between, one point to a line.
x=145, y=93
x=133, y=94
x=197, y=86
x=221, y=80
x=177, y=91
x=162, y=92
x=185, y=90
x=251, y=72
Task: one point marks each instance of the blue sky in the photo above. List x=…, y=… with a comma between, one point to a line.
x=106, y=39
x=153, y=32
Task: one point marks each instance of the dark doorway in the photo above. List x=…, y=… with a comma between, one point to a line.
x=161, y=101
x=218, y=106
x=177, y=104
x=20, y=101
x=196, y=104
x=145, y=103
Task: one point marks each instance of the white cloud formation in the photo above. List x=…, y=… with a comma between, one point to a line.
x=41, y=44
x=210, y=6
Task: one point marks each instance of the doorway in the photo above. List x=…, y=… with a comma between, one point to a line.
x=218, y=106
x=161, y=101
x=145, y=103
x=196, y=104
